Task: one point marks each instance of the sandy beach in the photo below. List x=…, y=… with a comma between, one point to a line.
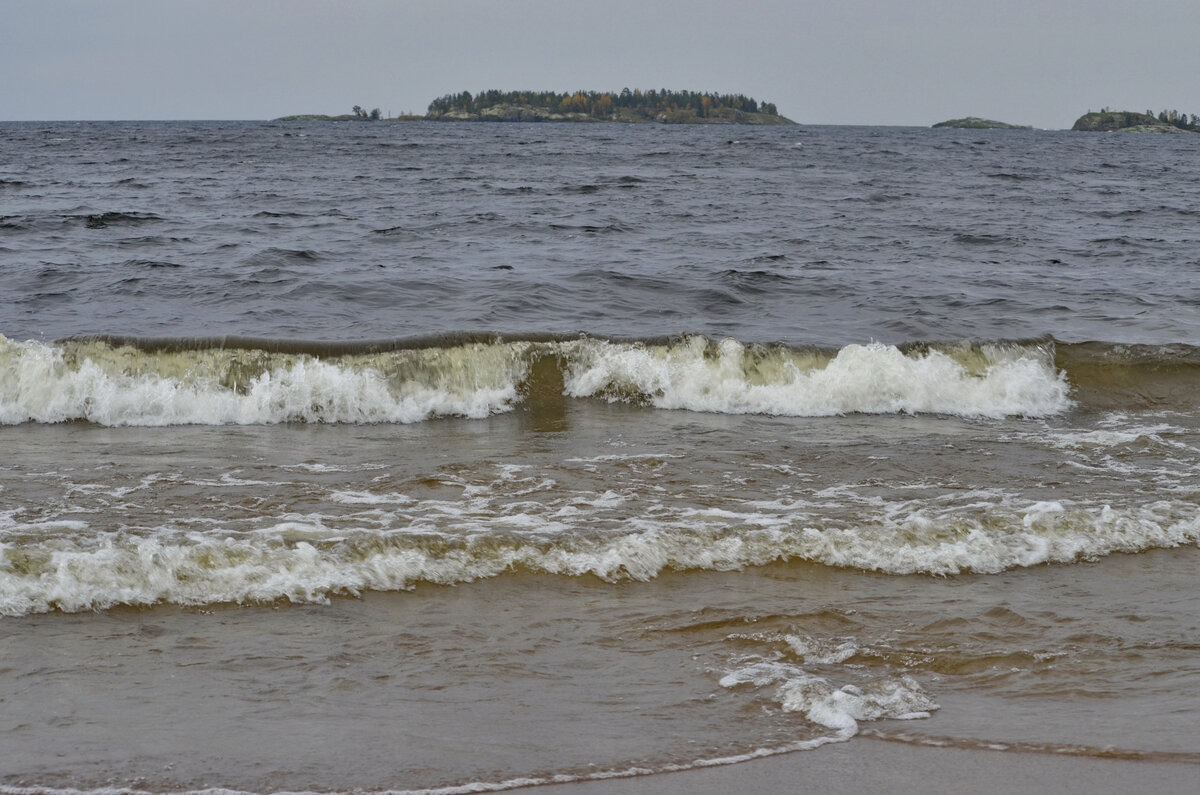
x=872, y=765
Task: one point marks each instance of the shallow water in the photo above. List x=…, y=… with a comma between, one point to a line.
x=400, y=456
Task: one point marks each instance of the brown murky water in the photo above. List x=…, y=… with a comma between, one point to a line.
x=587, y=630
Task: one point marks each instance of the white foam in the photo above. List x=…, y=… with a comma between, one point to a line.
x=307, y=558
x=370, y=498
x=326, y=468
x=599, y=459
x=873, y=379
x=1129, y=434
x=39, y=384
x=837, y=708
x=813, y=650
x=609, y=499
x=9, y=524
x=124, y=386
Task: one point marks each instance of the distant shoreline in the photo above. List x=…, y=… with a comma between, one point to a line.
x=343, y=117
x=517, y=114
x=623, y=107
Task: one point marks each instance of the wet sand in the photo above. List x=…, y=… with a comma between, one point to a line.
x=871, y=765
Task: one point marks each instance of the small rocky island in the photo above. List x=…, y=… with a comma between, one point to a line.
x=1129, y=121
x=976, y=123
x=636, y=106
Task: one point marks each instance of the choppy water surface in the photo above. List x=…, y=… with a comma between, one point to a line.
x=800, y=235
x=398, y=456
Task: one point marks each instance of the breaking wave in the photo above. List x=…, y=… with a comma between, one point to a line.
x=118, y=381
x=303, y=561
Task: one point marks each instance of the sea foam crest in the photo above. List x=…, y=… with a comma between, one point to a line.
x=872, y=379
x=125, y=386
x=837, y=708
x=115, y=384
x=302, y=561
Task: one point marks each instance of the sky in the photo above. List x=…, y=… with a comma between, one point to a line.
x=890, y=62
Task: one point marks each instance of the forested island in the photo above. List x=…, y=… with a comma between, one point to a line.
x=630, y=106
x=1168, y=121
x=976, y=123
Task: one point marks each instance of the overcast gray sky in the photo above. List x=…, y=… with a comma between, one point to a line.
x=907, y=62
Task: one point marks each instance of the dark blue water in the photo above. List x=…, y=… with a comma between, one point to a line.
x=823, y=235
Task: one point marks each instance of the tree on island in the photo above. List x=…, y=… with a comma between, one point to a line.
x=628, y=105
x=1108, y=120
x=607, y=105
x=1177, y=119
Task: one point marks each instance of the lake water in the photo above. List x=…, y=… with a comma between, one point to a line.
x=446, y=456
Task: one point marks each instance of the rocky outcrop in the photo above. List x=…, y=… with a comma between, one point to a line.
x=508, y=113
x=1122, y=120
